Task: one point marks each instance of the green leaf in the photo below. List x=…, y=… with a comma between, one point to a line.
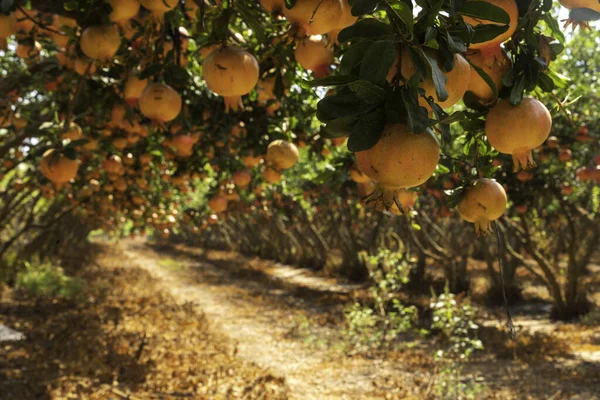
x=339, y=127
x=484, y=11
x=70, y=153
x=365, y=28
x=487, y=79
x=334, y=80
x=361, y=7
x=367, y=131
x=384, y=51
x=552, y=23
x=367, y=91
x=545, y=82
x=353, y=57
x=78, y=143
x=516, y=93
x=289, y=4
x=455, y=44
x=438, y=77
x=6, y=5
x=483, y=33
x=402, y=15
x=339, y=105
x=417, y=116
x=71, y=5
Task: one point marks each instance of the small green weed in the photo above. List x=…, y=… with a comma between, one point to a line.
x=44, y=279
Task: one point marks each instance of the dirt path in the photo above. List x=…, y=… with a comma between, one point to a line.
x=258, y=331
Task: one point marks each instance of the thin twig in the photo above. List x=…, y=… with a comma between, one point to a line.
x=509, y=322
x=312, y=17
x=43, y=26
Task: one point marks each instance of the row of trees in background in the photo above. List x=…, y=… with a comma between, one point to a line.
x=201, y=174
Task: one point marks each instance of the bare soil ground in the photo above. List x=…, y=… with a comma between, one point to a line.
x=172, y=322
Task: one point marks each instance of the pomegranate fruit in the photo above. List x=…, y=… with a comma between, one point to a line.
x=358, y=176
x=123, y=10
x=482, y=203
x=315, y=17
x=242, y=178
x=100, y=42
x=231, y=72
x=457, y=80
x=517, y=130
x=8, y=25
x=58, y=168
x=400, y=159
x=346, y=20
x=73, y=132
x=84, y=66
x=134, y=87
x=160, y=102
x=218, y=204
x=113, y=165
x=272, y=175
x=495, y=71
x=282, y=154
x=314, y=55
x=490, y=49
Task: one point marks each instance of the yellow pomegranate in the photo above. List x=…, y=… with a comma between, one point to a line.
x=134, y=87
x=400, y=159
x=494, y=70
x=272, y=175
x=113, y=165
x=58, y=168
x=346, y=20
x=358, y=176
x=184, y=144
x=8, y=25
x=457, y=80
x=218, y=204
x=282, y=154
x=314, y=55
x=491, y=49
x=160, y=102
x=242, y=178
x=251, y=161
x=231, y=72
x=319, y=22
x=92, y=144
x=517, y=130
x=73, y=132
x=483, y=202
x=100, y=42
x=123, y=10
x=28, y=50
x=25, y=24
x=84, y=66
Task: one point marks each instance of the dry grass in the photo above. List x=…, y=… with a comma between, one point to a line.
x=125, y=340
